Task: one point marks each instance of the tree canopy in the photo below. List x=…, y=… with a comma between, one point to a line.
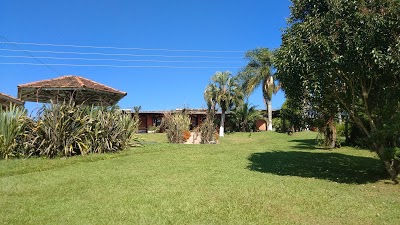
x=223, y=90
x=347, y=53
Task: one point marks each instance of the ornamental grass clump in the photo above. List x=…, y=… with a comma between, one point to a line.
x=175, y=125
x=67, y=129
x=11, y=129
x=208, y=132
x=59, y=130
x=110, y=130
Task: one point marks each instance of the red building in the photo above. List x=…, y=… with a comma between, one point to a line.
x=149, y=120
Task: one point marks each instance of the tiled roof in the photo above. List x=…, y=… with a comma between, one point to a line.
x=71, y=81
x=6, y=99
x=80, y=89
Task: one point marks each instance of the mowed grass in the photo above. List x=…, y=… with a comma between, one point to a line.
x=262, y=178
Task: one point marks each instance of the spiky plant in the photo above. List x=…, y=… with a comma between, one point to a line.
x=12, y=122
x=67, y=129
x=62, y=127
x=110, y=130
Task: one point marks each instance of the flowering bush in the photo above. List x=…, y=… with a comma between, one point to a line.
x=186, y=135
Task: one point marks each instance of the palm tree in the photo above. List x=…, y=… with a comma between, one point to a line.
x=211, y=98
x=245, y=115
x=137, y=109
x=258, y=72
x=224, y=91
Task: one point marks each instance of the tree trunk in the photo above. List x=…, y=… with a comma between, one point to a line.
x=392, y=165
x=221, y=128
x=330, y=134
x=269, y=109
x=213, y=109
x=244, y=126
x=284, y=125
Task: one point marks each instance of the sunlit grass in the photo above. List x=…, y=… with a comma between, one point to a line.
x=261, y=178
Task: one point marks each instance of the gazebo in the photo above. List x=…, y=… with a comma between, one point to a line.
x=6, y=100
x=80, y=89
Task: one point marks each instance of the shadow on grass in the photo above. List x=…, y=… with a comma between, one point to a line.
x=327, y=166
x=305, y=144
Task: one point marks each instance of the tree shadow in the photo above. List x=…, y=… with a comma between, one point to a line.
x=327, y=166
x=305, y=144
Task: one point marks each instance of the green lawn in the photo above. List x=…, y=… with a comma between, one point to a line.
x=265, y=178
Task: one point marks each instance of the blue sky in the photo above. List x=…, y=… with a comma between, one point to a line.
x=161, y=78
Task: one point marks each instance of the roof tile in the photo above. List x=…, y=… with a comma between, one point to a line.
x=71, y=81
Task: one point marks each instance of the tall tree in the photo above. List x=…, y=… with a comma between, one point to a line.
x=223, y=90
x=347, y=53
x=210, y=96
x=136, y=110
x=258, y=72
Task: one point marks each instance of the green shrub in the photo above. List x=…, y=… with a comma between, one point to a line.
x=244, y=116
x=340, y=130
x=277, y=124
x=66, y=130
x=340, y=133
x=59, y=131
x=175, y=125
x=11, y=131
x=109, y=130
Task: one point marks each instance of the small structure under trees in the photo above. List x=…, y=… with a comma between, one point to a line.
x=80, y=89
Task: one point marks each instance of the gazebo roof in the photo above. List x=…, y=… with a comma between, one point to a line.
x=5, y=100
x=63, y=88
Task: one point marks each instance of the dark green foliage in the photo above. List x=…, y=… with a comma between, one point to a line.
x=244, y=117
x=292, y=116
x=346, y=54
x=279, y=125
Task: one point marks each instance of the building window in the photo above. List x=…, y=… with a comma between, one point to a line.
x=157, y=121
